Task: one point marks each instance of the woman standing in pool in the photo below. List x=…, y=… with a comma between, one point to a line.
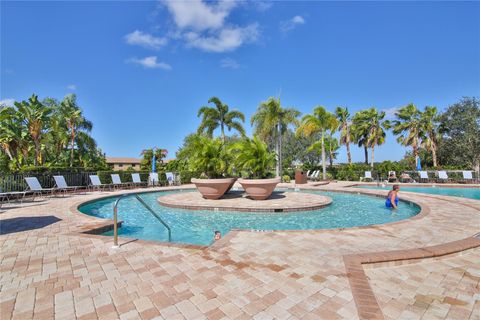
x=392, y=198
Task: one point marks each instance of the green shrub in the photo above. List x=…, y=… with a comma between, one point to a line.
x=286, y=178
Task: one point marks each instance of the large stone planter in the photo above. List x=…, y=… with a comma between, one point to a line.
x=213, y=188
x=259, y=189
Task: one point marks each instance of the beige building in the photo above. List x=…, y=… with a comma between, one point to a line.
x=123, y=163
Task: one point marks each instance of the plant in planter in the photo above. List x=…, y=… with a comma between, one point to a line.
x=208, y=156
x=252, y=158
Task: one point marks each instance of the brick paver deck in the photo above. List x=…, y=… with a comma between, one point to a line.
x=53, y=271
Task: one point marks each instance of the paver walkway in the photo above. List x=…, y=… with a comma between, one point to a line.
x=55, y=272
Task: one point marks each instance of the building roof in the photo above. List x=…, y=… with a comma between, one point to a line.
x=123, y=160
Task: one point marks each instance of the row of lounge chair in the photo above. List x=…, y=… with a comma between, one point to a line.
x=442, y=176
x=36, y=189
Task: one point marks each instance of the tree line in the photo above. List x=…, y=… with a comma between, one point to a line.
x=48, y=133
x=449, y=138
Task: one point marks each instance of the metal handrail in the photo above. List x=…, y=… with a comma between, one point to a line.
x=115, y=214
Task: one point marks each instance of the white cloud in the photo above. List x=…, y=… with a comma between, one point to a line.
x=7, y=102
x=203, y=25
x=150, y=63
x=229, y=63
x=199, y=15
x=227, y=39
x=262, y=5
x=289, y=25
x=72, y=87
x=145, y=40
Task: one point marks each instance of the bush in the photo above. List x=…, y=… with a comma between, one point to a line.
x=286, y=179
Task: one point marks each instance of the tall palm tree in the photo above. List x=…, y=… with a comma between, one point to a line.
x=429, y=123
x=220, y=116
x=372, y=122
x=271, y=120
x=320, y=121
x=74, y=120
x=343, y=117
x=331, y=148
x=408, y=127
x=35, y=117
x=360, y=132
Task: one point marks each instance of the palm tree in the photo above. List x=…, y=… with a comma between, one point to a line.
x=331, y=147
x=35, y=117
x=408, y=127
x=343, y=117
x=371, y=121
x=429, y=123
x=320, y=121
x=360, y=133
x=271, y=120
x=74, y=120
x=220, y=116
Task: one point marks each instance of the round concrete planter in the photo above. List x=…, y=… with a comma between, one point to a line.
x=213, y=188
x=259, y=189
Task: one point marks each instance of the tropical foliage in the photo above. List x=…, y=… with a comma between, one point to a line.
x=321, y=121
x=271, y=121
x=147, y=154
x=220, y=117
x=252, y=159
x=47, y=133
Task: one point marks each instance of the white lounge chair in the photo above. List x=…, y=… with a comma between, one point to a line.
x=467, y=176
x=136, y=181
x=423, y=175
x=5, y=196
x=95, y=183
x=313, y=175
x=36, y=187
x=170, y=178
x=368, y=175
x=116, y=181
x=62, y=186
x=442, y=176
x=153, y=179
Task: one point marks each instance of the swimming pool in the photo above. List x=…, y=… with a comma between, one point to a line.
x=473, y=193
x=197, y=227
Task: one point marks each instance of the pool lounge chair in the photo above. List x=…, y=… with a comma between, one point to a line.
x=467, y=176
x=5, y=196
x=423, y=176
x=170, y=178
x=314, y=175
x=62, y=186
x=95, y=183
x=442, y=176
x=136, y=181
x=117, y=182
x=153, y=179
x=368, y=175
x=36, y=188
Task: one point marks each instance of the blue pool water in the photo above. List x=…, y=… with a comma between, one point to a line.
x=197, y=227
x=473, y=193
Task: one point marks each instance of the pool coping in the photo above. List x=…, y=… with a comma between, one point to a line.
x=424, y=211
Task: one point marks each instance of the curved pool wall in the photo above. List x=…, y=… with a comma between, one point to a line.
x=466, y=192
x=198, y=226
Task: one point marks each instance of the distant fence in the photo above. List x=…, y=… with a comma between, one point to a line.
x=454, y=176
x=16, y=181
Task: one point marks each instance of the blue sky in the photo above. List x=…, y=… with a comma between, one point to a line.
x=142, y=69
